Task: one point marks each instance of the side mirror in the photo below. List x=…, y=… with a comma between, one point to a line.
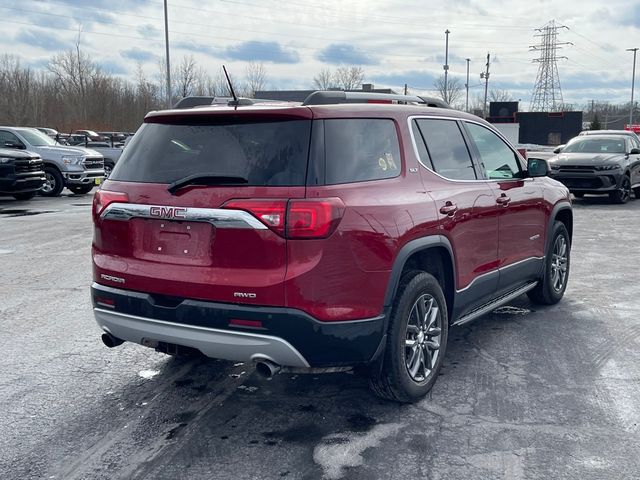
x=536, y=167
x=635, y=151
x=10, y=144
x=559, y=149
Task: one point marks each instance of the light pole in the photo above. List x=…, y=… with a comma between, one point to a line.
x=446, y=64
x=633, y=80
x=166, y=40
x=466, y=85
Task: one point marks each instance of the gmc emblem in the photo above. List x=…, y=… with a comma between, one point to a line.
x=168, y=212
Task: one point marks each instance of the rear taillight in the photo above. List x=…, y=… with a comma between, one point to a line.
x=270, y=212
x=102, y=199
x=311, y=218
x=296, y=219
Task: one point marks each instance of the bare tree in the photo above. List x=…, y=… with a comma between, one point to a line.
x=186, y=76
x=324, y=80
x=256, y=76
x=453, y=91
x=498, y=95
x=349, y=78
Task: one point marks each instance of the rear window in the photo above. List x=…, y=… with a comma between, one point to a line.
x=272, y=153
x=358, y=150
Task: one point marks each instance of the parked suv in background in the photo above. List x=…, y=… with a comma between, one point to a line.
x=79, y=169
x=322, y=235
x=21, y=173
x=600, y=164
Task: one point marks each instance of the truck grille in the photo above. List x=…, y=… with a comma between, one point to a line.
x=93, y=162
x=28, y=166
x=577, y=169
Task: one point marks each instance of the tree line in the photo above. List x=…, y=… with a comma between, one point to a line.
x=74, y=92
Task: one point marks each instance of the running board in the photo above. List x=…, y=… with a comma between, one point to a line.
x=493, y=304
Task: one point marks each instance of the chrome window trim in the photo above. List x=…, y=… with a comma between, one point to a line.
x=218, y=217
x=459, y=119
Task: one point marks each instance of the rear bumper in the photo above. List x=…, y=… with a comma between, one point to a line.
x=288, y=337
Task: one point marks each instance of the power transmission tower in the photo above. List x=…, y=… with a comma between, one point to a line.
x=547, y=93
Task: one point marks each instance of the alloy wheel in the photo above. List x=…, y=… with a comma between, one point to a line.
x=559, y=262
x=49, y=183
x=422, y=337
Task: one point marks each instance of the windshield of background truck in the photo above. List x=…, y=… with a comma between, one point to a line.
x=596, y=145
x=36, y=138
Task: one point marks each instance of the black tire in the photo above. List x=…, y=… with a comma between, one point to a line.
x=54, y=183
x=546, y=292
x=622, y=194
x=80, y=189
x=578, y=195
x=394, y=380
x=24, y=195
x=636, y=192
x=108, y=167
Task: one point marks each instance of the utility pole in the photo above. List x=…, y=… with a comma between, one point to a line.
x=446, y=65
x=166, y=39
x=633, y=80
x=485, y=75
x=466, y=85
x=406, y=89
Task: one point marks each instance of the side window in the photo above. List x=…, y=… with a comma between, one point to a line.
x=420, y=144
x=8, y=137
x=447, y=149
x=357, y=150
x=499, y=161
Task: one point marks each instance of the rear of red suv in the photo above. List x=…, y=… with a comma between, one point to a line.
x=228, y=232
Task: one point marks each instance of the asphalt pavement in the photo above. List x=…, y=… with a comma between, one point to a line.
x=525, y=393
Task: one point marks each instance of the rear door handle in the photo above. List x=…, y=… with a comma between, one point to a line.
x=448, y=208
x=503, y=200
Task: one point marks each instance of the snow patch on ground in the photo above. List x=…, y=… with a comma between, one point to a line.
x=339, y=451
x=148, y=374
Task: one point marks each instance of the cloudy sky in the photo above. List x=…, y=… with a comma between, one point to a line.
x=396, y=42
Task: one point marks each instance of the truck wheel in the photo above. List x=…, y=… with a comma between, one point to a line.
x=551, y=287
x=54, y=183
x=416, y=340
x=108, y=167
x=80, y=189
x=25, y=195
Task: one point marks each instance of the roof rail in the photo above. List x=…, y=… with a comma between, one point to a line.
x=333, y=97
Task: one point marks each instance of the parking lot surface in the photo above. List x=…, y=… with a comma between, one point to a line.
x=525, y=393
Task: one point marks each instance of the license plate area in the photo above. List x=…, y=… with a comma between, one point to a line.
x=167, y=241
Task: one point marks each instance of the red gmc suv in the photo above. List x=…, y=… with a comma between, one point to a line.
x=351, y=230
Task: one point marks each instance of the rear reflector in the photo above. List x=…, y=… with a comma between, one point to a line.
x=106, y=302
x=103, y=198
x=245, y=323
x=296, y=218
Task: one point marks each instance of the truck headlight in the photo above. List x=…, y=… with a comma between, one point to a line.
x=69, y=159
x=4, y=160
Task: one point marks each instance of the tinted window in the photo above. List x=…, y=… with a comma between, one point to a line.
x=422, y=149
x=8, y=137
x=498, y=159
x=264, y=153
x=357, y=150
x=447, y=149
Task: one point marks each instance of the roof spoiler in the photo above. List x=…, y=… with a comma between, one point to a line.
x=201, y=101
x=333, y=97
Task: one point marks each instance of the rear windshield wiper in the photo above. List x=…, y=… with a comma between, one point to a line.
x=205, y=179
